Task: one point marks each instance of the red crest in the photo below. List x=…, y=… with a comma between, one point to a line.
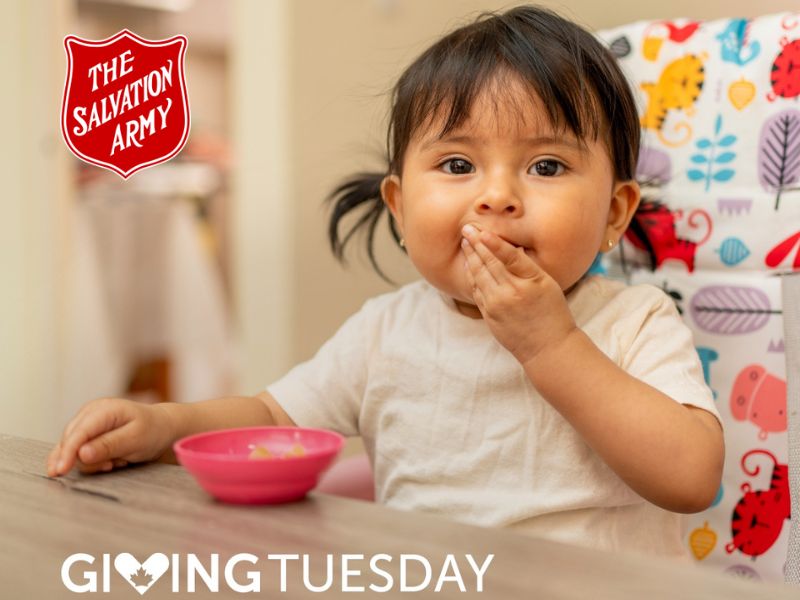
x=125, y=105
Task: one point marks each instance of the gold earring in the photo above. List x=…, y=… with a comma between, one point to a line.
x=610, y=244
x=402, y=243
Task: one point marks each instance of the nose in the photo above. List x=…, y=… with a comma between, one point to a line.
x=499, y=198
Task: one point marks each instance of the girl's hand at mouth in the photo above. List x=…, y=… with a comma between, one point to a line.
x=523, y=306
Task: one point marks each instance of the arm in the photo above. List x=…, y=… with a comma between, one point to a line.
x=221, y=413
x=112, y=432
x=670, y=454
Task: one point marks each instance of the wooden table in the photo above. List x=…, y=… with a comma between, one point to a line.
x=158, y=508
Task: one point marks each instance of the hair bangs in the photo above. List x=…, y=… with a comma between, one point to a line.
x=490, y=57
x=442, y=87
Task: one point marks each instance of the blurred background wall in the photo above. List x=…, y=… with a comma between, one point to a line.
x=238, y=284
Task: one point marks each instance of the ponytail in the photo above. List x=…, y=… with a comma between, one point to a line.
x=363, y=188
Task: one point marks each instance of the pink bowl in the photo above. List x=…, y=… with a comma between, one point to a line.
x=221, y=463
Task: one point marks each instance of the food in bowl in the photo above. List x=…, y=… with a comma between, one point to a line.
x=262, y=452
x=230, y=463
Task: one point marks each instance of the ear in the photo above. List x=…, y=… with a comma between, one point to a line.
x=392, y=194
x=624, y=202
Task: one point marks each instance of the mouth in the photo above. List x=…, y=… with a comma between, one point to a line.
x=505, y=239
x=524, y=248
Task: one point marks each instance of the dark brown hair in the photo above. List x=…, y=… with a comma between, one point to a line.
x=577, y=79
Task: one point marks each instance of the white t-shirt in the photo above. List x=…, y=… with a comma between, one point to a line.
x=454, y=427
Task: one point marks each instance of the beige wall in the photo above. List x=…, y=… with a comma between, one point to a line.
x=344, y=56
x=34, y=225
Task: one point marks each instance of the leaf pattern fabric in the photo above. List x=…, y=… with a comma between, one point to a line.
x=720, y=113
x=779, y=152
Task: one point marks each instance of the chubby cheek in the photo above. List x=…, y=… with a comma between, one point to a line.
x=433, y=250
x=433, y=246
x=567, y=250
x=434, y=229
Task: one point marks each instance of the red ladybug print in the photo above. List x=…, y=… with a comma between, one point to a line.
x=785, y=76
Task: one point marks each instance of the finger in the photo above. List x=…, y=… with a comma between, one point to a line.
x=101, y=467
x=120, y=443
x=75, y=425
x=477, y=295
x=513, y=259
x=72, y=425
x=468, y=271
x=52, y=460
x=68, y=446
x=91, y=425
x=482, y=276
x=88, y=469
x=55, y=455
x=87, y=408
x=492, y=263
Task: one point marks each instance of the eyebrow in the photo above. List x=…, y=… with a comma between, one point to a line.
x=529, y=141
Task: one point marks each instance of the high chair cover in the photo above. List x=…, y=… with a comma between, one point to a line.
x=720, y=112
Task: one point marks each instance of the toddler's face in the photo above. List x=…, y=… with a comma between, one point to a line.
x=511, y=176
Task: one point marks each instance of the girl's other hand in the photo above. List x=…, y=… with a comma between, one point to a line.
x=111, y=432
x=523, y=306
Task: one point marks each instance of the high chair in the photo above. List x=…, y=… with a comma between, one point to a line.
x=720, y=225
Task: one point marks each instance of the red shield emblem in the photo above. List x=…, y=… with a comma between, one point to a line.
x=125, y=105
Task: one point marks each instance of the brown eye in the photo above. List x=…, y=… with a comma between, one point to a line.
x=457, y=166
x=548, y=167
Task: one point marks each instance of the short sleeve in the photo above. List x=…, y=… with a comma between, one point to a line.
x=663, y=355
x=327, y=390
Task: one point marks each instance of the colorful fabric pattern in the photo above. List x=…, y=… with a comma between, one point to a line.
x=720, y=112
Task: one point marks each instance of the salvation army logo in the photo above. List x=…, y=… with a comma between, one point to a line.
x=125, y=105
